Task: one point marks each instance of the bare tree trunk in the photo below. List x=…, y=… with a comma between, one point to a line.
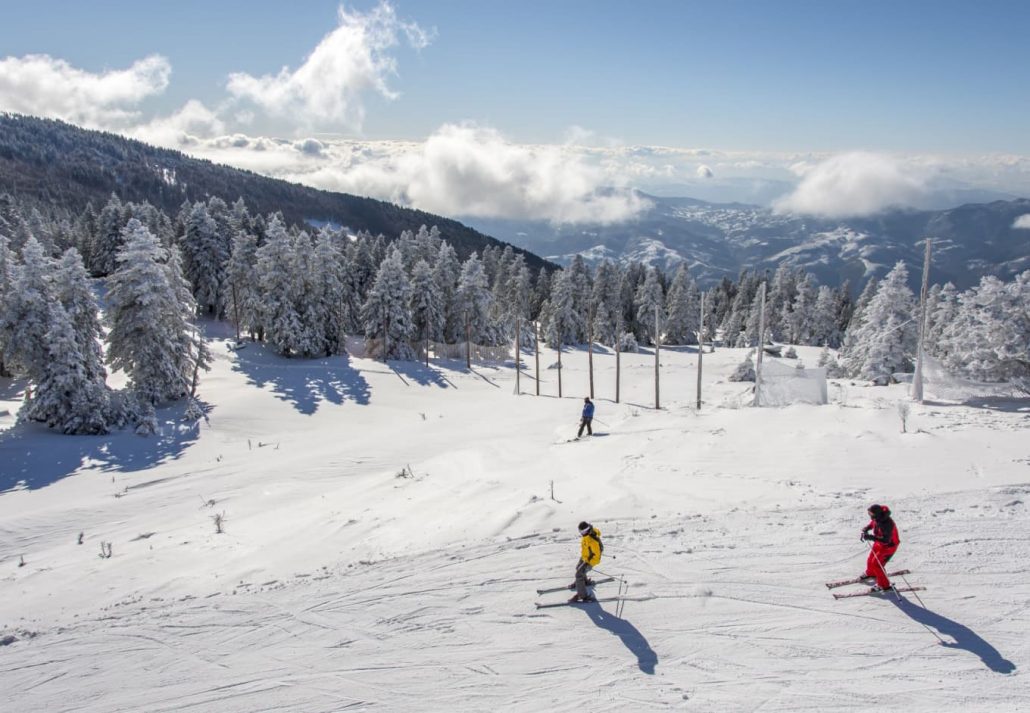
x=657, y=339
x=559, y=367
x=917, y=378
x=618, y=367
x=518, y=355
x=536, y=353
x=590, y=361
x=468, y=344
x=236, y=312
x=700, y=349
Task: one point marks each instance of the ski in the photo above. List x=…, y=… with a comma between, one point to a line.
x=862, y=580
x=571, y=587
x=874, y=592
x=573, y=604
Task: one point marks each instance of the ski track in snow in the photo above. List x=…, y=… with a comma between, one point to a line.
x=340, y=586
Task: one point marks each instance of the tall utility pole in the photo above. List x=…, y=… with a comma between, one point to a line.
x=700, y=349
x=761, y=345
x=657, y=339
x=590, y=358
x=536, y=352
x=518, y=356
x=559, y=367
x=917, y=378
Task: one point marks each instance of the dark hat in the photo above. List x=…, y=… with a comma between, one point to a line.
x=878, y=510
x=584, y=527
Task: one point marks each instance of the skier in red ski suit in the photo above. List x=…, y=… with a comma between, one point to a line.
x=885, y=541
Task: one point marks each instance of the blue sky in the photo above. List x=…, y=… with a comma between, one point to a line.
x=801, y=81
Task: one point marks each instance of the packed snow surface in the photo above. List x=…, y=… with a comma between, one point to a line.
x=386, y=527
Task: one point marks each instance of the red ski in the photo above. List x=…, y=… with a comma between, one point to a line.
x=876, y=592
x=864, y=580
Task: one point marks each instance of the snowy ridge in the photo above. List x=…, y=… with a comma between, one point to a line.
x=386, y=527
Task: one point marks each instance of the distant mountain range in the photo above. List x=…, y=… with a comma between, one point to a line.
x=52, y=163
x=720, y=239
x=59, y=165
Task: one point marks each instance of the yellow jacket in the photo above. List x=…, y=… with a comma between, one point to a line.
x=590, y=547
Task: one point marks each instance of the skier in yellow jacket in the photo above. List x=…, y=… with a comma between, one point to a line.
x=589, y=557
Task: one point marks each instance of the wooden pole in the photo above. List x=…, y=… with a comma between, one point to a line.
x=917, y=378
x=700, y=349
x=590, y=360
x=618, y=365
x=518, y=354
x=559, y=367
x=536, y=352
x=761, y=345
x=657, y=339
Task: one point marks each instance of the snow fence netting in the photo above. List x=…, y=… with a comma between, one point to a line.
x=784, y=384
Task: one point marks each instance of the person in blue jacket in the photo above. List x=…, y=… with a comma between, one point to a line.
x=588, y=417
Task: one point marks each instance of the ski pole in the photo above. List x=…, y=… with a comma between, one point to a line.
x=916, y=594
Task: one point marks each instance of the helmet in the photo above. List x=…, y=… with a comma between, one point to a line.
x=878, y=511
x=584, y=528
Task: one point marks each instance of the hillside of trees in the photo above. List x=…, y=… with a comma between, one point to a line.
x=59, y=168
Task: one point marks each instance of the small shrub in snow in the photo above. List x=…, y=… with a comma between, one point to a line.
x=219, y=520
x=745, y=371
x=105, y=550
x=903, y=411
x=628, y=343
x=790, y=353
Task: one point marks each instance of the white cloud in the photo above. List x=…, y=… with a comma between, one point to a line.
x=704, y=172
x=853, y=184
x=327, y=88
x=42, y=85
x=461, y=170
x=183, y=128
x=1022, y=222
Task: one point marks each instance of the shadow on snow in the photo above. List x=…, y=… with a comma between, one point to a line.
x=964, y=637
x=631, y=637
x=304, y=383
x=33, y=456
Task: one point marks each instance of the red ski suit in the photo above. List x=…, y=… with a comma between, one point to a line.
x=885, y=543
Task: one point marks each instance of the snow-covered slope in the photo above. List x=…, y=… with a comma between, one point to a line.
x=386, y=527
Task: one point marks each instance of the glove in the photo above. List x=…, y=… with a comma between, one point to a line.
x=864, y=536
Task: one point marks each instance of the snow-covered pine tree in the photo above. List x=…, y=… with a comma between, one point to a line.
x=313, y=310
x=990, y=338
x=561, y=322
x=387, y=311
x=108, y=239
x=204, y=256
x=649, y=299
x=38, y=336
x=682, y=308
x=605, y=303
x=942, y=309
x=426, y=304
x=886, y=339
x=446, y=272
x=332, y=289
x=823, y=327
x=195, y=355
x=150, y=318
x=7, y=263
x=242, y=289
x=275, y=261
x=472, y=301
x=72, y=288
x=581, y=291
x=796, y=319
